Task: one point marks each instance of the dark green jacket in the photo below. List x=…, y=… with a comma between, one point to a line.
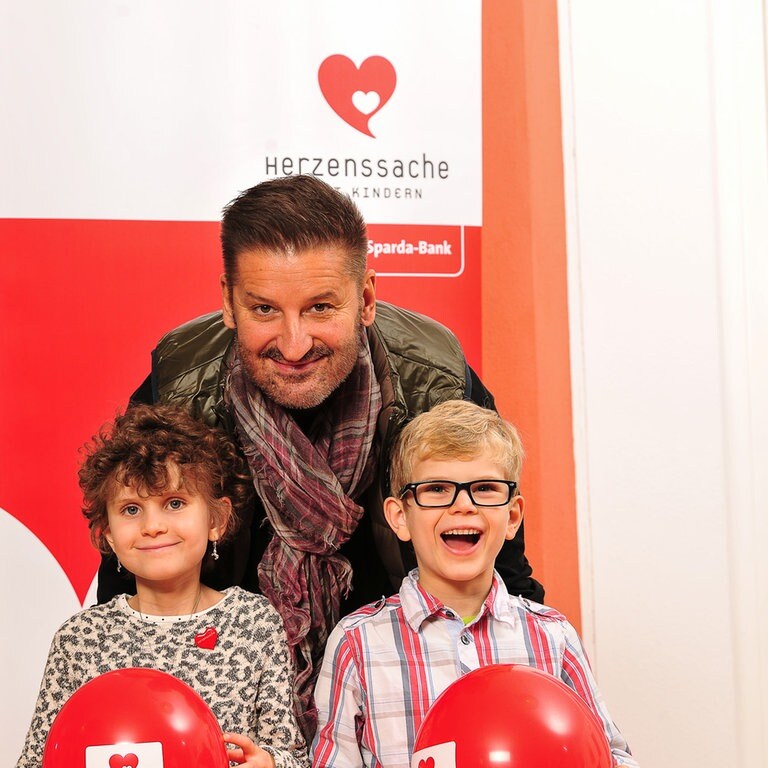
x=418, y=364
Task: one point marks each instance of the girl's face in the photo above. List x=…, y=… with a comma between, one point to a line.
x=161, y=539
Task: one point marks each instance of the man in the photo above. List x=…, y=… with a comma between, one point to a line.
x=315, y=379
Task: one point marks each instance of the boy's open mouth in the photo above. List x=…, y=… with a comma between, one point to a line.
x=461, y=539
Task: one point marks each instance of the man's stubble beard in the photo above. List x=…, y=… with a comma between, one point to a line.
x=283, y=390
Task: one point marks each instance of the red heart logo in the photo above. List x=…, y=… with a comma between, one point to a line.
x=207, y=639
x=428, y=763
x=123, y=761
x=357, y=94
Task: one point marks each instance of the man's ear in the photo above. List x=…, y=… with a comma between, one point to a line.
x=368, y=313
x=221, y=517
x=228, y=314
x=394, y=511
x=516, y=507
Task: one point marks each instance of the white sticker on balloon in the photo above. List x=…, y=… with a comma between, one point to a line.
x=439, y=756
x=148, y=754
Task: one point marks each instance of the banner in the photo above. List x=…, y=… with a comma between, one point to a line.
x=129, y=126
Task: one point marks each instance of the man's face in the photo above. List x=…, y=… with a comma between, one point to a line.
x=298, y=318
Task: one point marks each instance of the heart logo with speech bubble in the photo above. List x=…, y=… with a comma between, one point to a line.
x=356, y=94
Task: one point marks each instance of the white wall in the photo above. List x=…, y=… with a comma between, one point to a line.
x=665, y=140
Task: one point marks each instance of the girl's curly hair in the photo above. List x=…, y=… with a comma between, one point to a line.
x=144, y=447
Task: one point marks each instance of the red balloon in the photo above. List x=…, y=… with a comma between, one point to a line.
x=510, y=716
x=135, y=718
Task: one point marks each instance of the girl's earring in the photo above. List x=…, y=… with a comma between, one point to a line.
x=119, y=565
x=214, y=551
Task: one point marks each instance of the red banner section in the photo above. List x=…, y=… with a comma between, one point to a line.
x=82, y=304
x=434, y=270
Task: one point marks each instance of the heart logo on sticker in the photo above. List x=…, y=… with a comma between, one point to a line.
x=442, y=755
x=356, y=94
x=207, y=639
x=123, y=761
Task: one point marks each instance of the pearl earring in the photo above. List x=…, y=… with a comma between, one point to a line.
x=214, y=552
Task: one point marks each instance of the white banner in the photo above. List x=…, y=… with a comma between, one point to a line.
x=127, y=126
x=146, y=110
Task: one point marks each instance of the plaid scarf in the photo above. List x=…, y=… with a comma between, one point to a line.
x=307, y=486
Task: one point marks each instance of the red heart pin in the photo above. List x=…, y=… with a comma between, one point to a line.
x=123, y=761
x=428, y=763
x=207, y=638
x=357, y=94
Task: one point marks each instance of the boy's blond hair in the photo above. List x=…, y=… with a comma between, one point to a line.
x=456, y=429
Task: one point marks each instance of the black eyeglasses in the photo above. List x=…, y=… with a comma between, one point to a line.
x=443, y=493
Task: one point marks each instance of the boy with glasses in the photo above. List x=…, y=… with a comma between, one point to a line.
x=456, y=470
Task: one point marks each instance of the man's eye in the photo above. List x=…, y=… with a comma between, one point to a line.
x=320, y=308
x=262, y=309
x=176, y=504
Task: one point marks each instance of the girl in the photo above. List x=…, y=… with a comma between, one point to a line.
x=161, y=491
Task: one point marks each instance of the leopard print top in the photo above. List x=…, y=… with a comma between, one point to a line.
x=246, y=679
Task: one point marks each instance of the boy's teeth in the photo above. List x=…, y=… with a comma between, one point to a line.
x=462, y=539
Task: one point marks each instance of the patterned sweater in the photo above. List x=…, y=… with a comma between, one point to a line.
x=246, y=679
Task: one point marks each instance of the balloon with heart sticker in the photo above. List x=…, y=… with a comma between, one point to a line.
x=135, y=718
x=510, y=716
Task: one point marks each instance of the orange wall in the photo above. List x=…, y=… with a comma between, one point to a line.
x=524, y=290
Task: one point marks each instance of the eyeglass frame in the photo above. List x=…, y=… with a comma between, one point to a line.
x=458, y=488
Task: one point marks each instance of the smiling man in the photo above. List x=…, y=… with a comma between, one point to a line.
x=315, y=379
x=299, y=337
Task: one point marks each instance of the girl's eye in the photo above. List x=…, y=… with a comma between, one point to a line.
x=131, y=510
x=176, y=504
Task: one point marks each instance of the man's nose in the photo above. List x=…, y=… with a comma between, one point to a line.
x=294, y=341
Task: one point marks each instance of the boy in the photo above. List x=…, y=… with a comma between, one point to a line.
x=455, y=471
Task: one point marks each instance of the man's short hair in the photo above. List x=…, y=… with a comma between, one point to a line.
x=143, y=446
x=456, y=429
x=290, y=215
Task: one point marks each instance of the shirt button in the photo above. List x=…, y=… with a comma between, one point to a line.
x=466, y=639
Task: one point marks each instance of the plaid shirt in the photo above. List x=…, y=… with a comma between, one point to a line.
x=386, y=663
